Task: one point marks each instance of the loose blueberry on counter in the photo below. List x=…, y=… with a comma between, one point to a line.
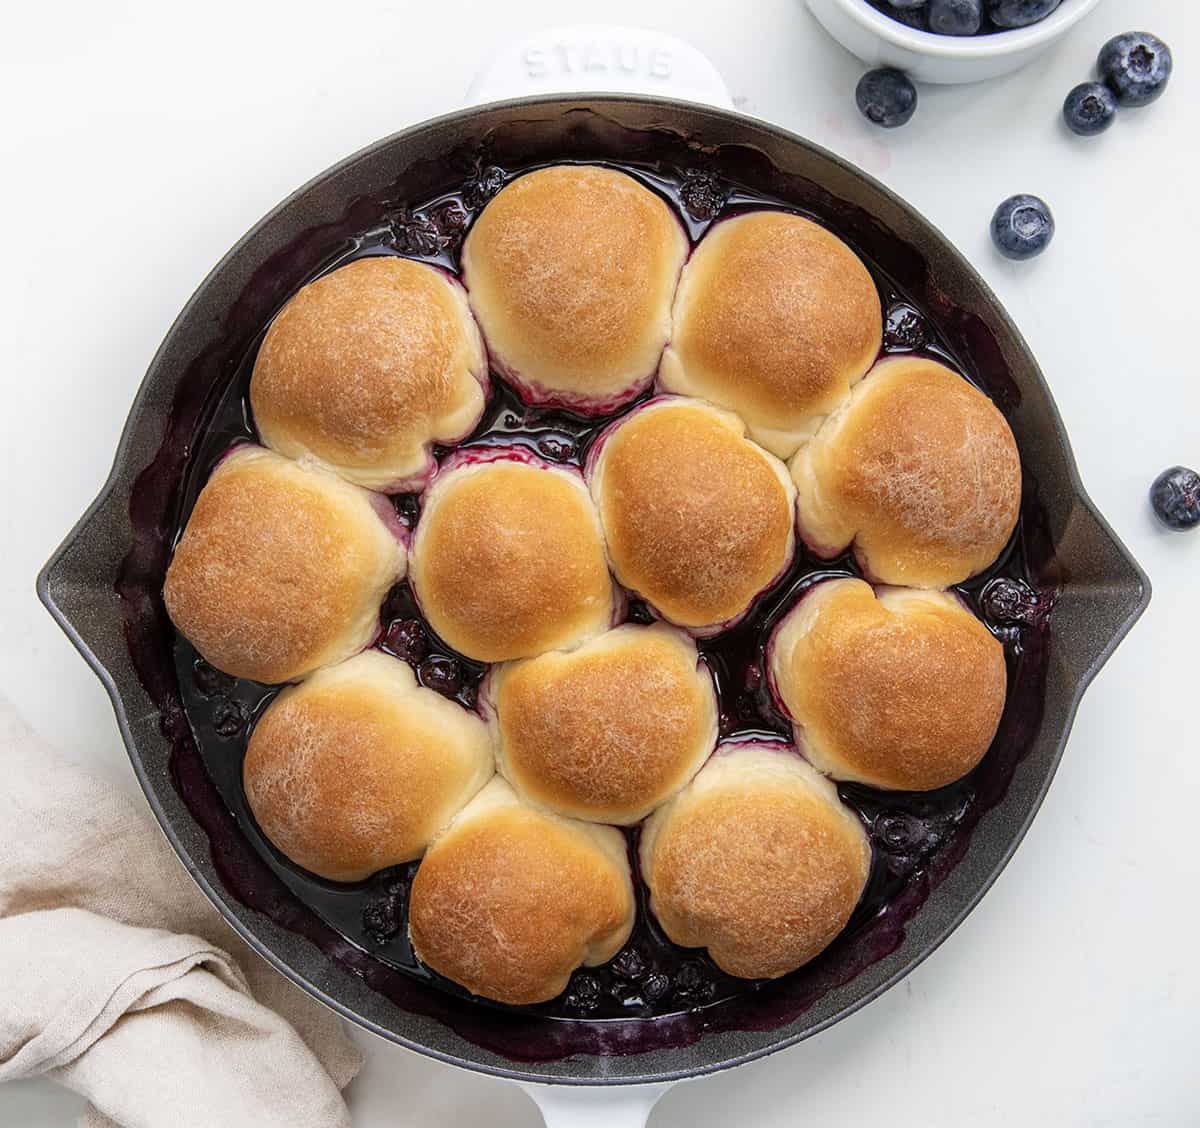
x=1022, y=227
x=1175, y=496
x=1019, y=13
x=887, y=97
x=955, y=17
x=1136, y=66
x=1089, y=109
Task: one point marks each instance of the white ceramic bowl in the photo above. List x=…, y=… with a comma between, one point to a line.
x=883, y=42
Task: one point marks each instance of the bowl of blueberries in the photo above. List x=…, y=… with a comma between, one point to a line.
x=949, y=41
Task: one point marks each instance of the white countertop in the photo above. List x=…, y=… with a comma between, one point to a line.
x=142, y=137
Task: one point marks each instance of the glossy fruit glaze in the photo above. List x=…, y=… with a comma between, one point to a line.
x=206, y=715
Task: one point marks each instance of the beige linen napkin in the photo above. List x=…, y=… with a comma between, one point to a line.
x=119, y=980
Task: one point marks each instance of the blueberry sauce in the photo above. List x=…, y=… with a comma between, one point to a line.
x=917, y=838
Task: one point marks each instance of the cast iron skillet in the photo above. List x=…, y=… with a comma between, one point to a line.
x=102, y=584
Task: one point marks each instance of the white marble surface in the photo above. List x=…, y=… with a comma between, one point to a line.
x=141, y=138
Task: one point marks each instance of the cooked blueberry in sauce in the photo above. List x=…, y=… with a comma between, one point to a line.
x=904, y=329
x=1010, y=601
x=583, y=993
x=482, y=187
x=230, y=718
x=209, y=680
x=407, y=639
x=383, y=916
x=629, y=964
x=416, y=235
x=442, y=674
x=701, y=195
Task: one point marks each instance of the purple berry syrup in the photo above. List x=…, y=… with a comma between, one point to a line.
x=206, y=715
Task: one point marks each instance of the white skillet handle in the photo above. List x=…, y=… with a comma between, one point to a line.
x=599, y=58
x=594, y=1106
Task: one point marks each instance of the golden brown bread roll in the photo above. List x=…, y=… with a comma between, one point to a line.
x=606, y=732
x=369, y=366
x=282, y=567
x=775, y=318
x=358, y=767
x=570, y=271
x=903, y=690
x=698, y=519
x=920, y=472
x=508, y=556
x=756, y=860
x=510, y=900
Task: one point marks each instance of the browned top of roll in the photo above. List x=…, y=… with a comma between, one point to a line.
x=757, y=860
x=281, y=568
x=571, y=270
x=775, y=318
x=366, y=366
x=697, y=518
x=904, y=691
x=922, y=471
x=358, y=767
x=610, y=730
x=509, y=901
x=508, y=560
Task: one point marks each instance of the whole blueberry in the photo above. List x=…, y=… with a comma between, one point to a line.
x=955, y=17
x=910, y=17
x=1022, y=227
x=906, y=3
x=1089, y=109
x=887, y=97
x=1136, y=66
x=442, y=674
x=1019, y=13
x=1175, y=496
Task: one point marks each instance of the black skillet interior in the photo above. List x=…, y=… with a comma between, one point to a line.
x=103, y=587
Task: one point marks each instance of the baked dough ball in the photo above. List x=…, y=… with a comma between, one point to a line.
x=358, y=767
x=282, y=567
x=756, y=860
x=606, y=732
x=901, y=690
x=920, y=472
x=510, y=900
x=508, y=556
x=369, y=366
x=697, y=518
x=775, y=318
x=571, y=271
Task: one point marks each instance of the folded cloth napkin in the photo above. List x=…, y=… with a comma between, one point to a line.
x=119, y=979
